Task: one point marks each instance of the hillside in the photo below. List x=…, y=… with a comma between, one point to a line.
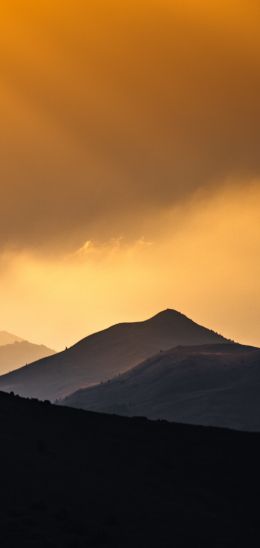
x=17, y=354
x=8, y=338
x=105, y=354
x=76, y=479
x=215, y=385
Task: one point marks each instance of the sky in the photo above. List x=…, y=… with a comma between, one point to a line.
x=129, y=165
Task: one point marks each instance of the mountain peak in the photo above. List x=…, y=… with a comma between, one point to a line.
x=169, y=314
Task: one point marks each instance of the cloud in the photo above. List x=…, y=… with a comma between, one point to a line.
x=110, y=117
x=209, y=268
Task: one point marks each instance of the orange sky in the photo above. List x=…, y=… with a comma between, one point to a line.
x=130, y=164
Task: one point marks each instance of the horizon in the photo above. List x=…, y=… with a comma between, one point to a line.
x=145, y=319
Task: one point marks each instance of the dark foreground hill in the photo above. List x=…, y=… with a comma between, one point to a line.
x=17, y=354
x=101, y=356
x=75, y=479
x=216, y=385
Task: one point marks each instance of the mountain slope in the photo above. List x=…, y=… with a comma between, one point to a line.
x=17, y=354
x=105, y=354
x=76, y=479
x=8, y=338
x=217, y=385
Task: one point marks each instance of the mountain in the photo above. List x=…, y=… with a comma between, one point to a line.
x=105, y=354
x=75, y=479
x=8, y=338
x=17, y=354
x=217, y=385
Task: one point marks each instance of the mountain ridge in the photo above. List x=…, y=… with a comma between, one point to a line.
x=15, y=355
x=8, y=338
x=103, y=355
x=210, y=385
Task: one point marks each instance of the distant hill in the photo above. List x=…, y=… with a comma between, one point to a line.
x=216, y=385
x=75, y=479
x=17, y=354
x=8, y=338
x=105, y=354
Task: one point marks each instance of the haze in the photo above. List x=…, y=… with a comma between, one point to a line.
x=129, y=165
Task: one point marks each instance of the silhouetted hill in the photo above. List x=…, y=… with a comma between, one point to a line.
x=17, y=354
x=217, y=385
x=8, y=338
x=105, y=354
x=75, y=479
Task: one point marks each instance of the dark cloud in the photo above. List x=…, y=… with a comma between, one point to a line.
x=111, y=115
